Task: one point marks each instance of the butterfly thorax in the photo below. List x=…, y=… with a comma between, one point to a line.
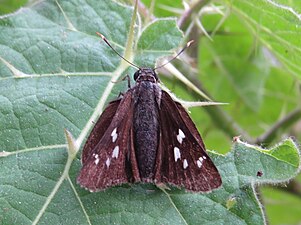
x=146, y=124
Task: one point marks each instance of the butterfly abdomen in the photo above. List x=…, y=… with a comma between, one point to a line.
x=146, y=128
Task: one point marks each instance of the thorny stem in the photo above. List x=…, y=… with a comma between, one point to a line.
x=283, y=123
x=185, y=18
x=143, y=10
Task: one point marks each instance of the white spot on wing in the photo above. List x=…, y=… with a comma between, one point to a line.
x=114, y=132
x=185, y=164
x=114, y=135
x=115, y=152
x=181, y=133
x=108, y=162
x=180, y=136
x=177, y=153
x=96, y=161
x=114, y=138
x=200, y=161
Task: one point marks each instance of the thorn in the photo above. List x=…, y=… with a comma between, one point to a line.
x=100, y=35
x=189, y=43
x=236, y=138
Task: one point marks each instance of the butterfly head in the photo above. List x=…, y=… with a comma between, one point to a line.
x=146, y=74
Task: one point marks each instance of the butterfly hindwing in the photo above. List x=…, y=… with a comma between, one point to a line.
x=105, y=164
x=182, y=159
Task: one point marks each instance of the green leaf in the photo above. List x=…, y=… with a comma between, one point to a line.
x=55, y=75
x=151, y=46
x=277, y=26
x=8, y=6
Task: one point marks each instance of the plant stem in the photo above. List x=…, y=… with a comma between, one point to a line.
x=185, y=18
x=283, y=123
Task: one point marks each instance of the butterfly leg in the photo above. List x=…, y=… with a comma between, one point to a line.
x=127, y=77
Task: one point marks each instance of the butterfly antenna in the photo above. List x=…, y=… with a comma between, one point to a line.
x=108, y=43
x=179, y=53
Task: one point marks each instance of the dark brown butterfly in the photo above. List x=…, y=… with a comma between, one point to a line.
x=146, y=136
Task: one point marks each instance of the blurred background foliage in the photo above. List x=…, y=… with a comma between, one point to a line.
x=9, y=6
x=247, y=54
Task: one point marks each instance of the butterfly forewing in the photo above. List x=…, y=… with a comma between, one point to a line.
x=99, y=129
x=107, y=163
x=182, y=159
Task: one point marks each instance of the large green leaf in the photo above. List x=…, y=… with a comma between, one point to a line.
x=55, y=75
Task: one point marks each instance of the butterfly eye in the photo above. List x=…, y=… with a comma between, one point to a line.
x=136, y=75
